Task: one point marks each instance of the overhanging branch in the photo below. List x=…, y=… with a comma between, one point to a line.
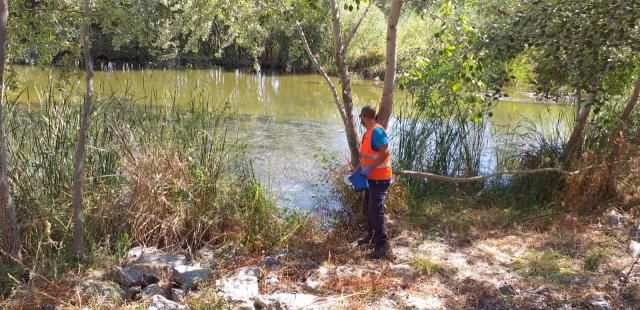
x=324, y=74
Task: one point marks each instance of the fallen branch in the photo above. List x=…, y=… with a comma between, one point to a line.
x=457, y=180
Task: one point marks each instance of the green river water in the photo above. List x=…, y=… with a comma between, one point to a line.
x=289, y=121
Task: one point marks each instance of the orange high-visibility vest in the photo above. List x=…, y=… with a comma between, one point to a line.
x=368, y=155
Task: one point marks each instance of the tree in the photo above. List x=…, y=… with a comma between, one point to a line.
x=344, y=103
x=78, y=165
x=10, y=244
x=386, y=101
x=575, y=44
x=340, y=47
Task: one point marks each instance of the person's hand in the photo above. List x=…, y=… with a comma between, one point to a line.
x=357, y=170
x=366, y=171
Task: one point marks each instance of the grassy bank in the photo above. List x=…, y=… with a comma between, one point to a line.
x=166, y=176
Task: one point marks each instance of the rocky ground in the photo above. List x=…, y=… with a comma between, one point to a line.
x=571, y=264
x=576, y=265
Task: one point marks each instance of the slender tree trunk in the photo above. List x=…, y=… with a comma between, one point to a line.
x=351, y=127
x=624, y=119
x=578, y=102
x=575, y=140
x=633, y=101
x=78, y=181
x=386, y=102
x=10, y=243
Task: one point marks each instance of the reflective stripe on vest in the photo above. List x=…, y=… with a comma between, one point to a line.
x=368, y=155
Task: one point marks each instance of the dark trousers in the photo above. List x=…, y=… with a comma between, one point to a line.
x=374, y=210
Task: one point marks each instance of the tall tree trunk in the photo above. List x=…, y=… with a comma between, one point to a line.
x=78, y=181
x=574, y=144
x=575, y=140
x=351, y=127
x=386, y=102
x=10, y=243
x=578, y=102
x=631, y=104
x=624, y=119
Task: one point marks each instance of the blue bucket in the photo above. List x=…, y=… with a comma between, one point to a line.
x=359, y=182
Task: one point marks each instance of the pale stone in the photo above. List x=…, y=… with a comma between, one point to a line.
x=634, y=247
x=152, y=290
x=159, y=302
x=189, y=276
x=242, y=287
x=153, y=256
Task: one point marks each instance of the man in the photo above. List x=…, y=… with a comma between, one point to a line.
x=375, y=164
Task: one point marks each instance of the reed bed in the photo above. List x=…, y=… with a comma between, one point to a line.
x=156, y=175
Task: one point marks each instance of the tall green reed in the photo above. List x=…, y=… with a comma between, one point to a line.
x=215, y=198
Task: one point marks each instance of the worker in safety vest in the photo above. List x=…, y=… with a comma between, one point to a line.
x=375, y=164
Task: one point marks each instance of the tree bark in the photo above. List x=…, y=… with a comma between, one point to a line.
x=351, y=127
x=10, y=243
x=578, y=102
x=78, y=181
x=386, y=102
x=575, y=140
x=631, y=104
x=624, y=119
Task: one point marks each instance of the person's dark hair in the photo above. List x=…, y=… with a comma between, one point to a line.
x=368, y=112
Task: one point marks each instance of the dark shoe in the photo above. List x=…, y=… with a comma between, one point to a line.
x=366, y=240
x=382, y=252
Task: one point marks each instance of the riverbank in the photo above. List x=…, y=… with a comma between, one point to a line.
x=556, y=261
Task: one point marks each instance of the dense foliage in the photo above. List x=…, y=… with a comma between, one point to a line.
x=232, y=34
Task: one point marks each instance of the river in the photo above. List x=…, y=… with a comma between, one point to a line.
x=290, y=122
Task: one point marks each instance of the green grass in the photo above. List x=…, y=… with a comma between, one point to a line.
x=428, y=267
x=593, y=262
x=546, y=266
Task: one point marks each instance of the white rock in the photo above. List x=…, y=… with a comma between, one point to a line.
x=152, y=290
x=144, y=255
x=159, y=302
x=189, y=276
x=350, y=271
x=599, y=304
x=242, y=287
x=634, y=247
